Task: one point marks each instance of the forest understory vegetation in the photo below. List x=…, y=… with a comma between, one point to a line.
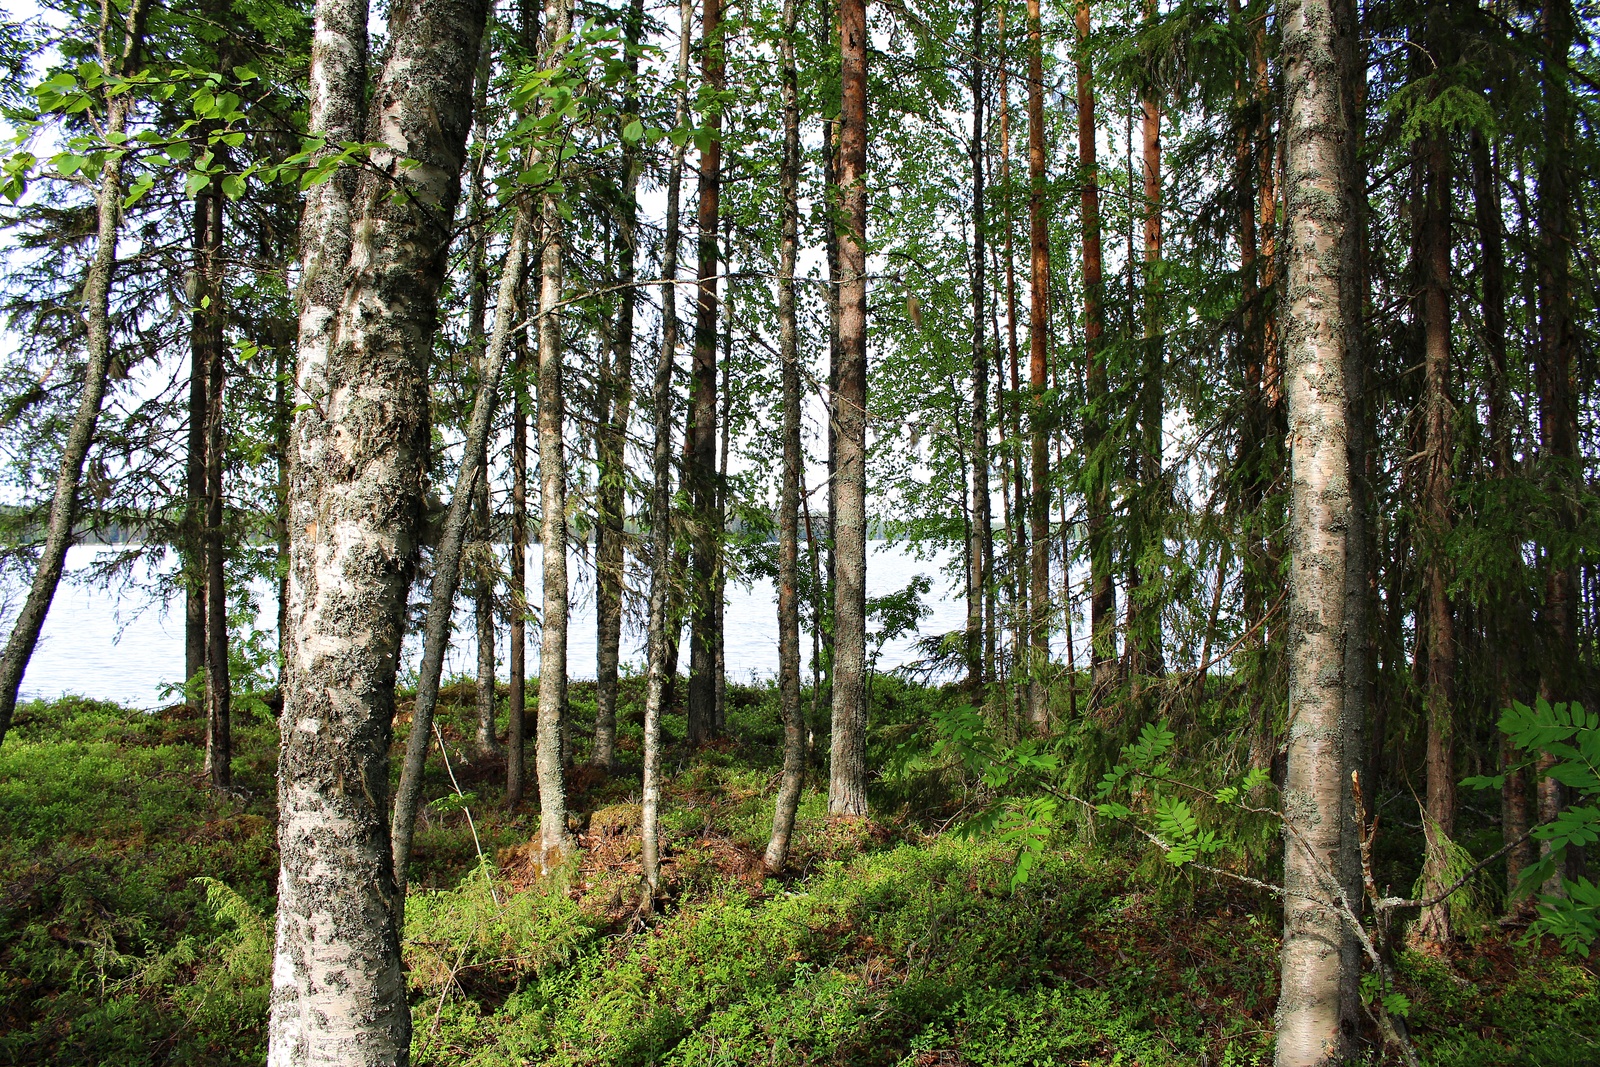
x=136, y=912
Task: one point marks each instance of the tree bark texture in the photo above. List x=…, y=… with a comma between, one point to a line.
x=97, y=321
x=360, y=442
x=194, y=517
x=448, y=557
x=703, y=402
x=981, y=579
x=219, y=693
x=662, y=615
x=847, y=786
x=554, y=841
x=616, y=406
x=1558, y=418
x=1313, y=1022
x=794, y=725
x=1038, y=370
x=1433, y=282
x=1102, y=594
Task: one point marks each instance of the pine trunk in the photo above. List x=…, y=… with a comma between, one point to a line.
x=1438, y=451
x=1038, y=362
x=847, y=787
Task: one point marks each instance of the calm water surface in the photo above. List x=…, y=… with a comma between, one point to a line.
x=125, y=644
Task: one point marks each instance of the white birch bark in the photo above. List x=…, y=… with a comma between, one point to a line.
x=1313, y=1026
x=374, y=263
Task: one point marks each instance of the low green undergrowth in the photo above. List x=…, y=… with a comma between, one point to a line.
x=136, y=907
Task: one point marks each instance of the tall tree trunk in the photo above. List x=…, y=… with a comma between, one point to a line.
x=794, y=724
x=1313, y=1021
x=703, y=399
x=517, y=653
x=1356, y=289
x=517, y=696
x=1038, y=360
x=554, y=841
x=847, y=786
x=97, y=321
x=662, y=614
x=719, y=585
x=481, y=559
x=448, y=556
x=617, y=387
x=1505, y=633
x=1558, y=415
x=981, y=576
x=219, y=693
x=373, y=270
x=1148, y=543
x=194, y=517
x=1016, y=530
x=1097, y=489
x=1433, y=156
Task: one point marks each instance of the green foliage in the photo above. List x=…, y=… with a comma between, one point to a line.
x=1568, y=737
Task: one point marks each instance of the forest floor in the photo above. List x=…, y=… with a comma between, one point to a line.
x=135, y=920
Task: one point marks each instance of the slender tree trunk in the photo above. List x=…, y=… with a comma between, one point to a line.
x=219, y=693
x=703, y=400
x=517, y=695
x=517, y=653
x=719, y=590
x=1505, y=634
x=373, y=269
x=847, y=787
x=1016, y=530
x=1355, y=287
x=981, y=577
x=611, y=498
x=1558, y=418
x=1097, y=490
x=194, y=518
x=97, y=320
x=1313, y=1025
x=662, y=614
x=1438, y=450
x=1038, y=361
x=448, y=556
x=481, y=566
x=554, y=841
x=1148, y=545
x=794, y=724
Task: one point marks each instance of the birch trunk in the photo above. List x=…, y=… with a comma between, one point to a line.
x=97, y=321
x=554, y=841
x=661, y=611
x=372, y=273
x=794, y=726
x=1313, y=1025
x=448, y=556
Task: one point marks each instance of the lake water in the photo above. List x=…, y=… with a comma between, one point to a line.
x=124, y=644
